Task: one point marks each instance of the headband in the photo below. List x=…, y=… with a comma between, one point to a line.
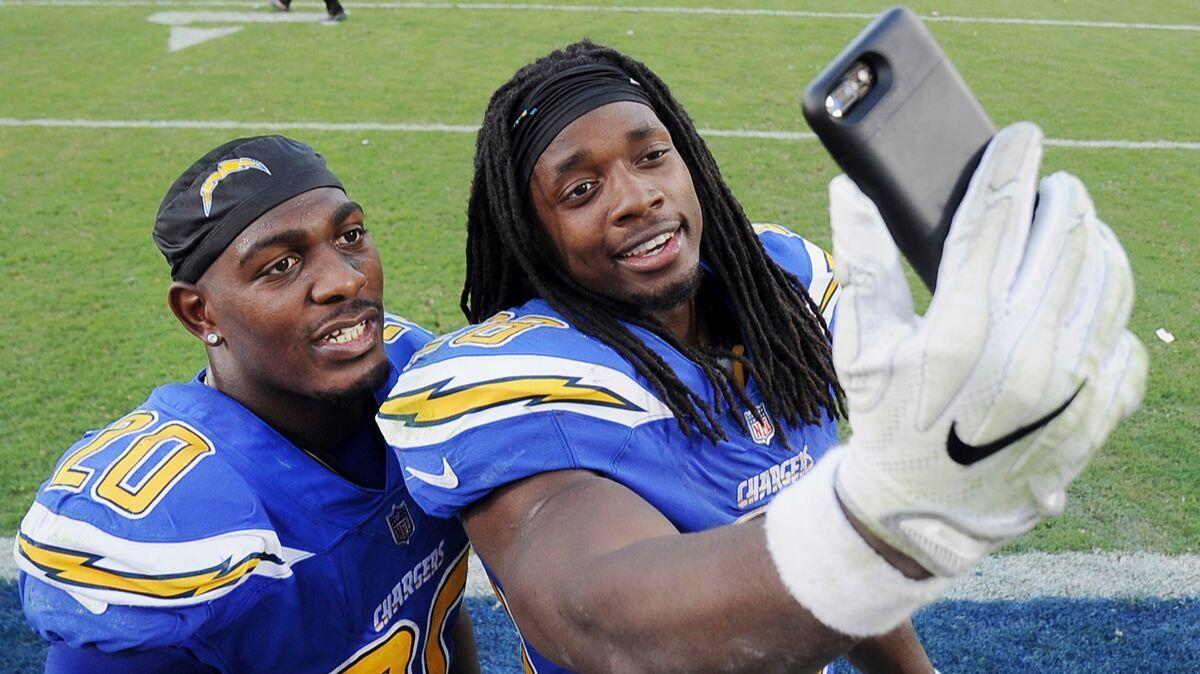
x=563, y=98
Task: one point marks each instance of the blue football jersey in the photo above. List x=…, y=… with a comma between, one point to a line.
x=191, y=523
x=525, y=393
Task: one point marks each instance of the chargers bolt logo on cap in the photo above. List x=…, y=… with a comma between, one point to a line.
x=226, y=168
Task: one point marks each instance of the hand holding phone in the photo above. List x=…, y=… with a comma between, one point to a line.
x=901, y=122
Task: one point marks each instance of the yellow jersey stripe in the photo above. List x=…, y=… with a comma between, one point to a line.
x=739, y=369
x=831, y=289
x=761, y=228
x=525, y=661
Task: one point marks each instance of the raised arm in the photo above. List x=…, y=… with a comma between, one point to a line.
x=599, y=580
x=969, y=423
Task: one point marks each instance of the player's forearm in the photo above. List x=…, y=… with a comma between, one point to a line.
x=599, y=580
x=897, y=652
x=700, y=601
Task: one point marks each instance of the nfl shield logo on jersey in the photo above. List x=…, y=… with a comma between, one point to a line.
x=762, y=431
x=401, y=523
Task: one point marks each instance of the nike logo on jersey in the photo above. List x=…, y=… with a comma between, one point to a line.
x=447, y=479
x=964, y=454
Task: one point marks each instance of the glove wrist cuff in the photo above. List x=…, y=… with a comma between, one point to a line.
x=828, y=567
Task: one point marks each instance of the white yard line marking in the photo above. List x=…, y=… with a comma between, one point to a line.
x=182, y=37
x=1081, y=575
x=236, y=126
x=232, y=125
x=1124, y=144
x=1072, y=575
x=696, y=11
x=8, y=565
x=185, y=18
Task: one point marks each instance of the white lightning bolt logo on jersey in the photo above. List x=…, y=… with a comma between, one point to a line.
x=434, y=403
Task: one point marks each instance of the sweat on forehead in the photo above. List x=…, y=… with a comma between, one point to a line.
x=562, y=98
x=225, y=191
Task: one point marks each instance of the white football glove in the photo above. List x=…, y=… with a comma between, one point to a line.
x=969, y=423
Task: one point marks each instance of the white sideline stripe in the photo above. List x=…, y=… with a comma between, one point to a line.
x=1077, y=575
x=8, y=564
x=1071, y=575
x=185, y=18
x=231, y=125
x=1081, y=575
x=235, y=126
x=700, y=11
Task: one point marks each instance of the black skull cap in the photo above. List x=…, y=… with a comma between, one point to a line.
x=225, y=191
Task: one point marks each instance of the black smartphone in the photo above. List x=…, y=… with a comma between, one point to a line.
x=901, y=122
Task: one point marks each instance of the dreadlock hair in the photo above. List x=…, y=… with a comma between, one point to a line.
x=510, y=260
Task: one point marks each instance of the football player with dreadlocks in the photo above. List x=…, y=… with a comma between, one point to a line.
x=645, y=372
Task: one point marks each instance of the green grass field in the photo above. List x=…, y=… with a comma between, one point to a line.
x=85, y=332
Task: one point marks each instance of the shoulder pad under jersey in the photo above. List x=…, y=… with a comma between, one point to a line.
x=805, y=260
x=402, y=338
x=520, y=394
x=143, y=513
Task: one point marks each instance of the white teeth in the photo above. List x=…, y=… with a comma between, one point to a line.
x=343, y=335
x=649, y=246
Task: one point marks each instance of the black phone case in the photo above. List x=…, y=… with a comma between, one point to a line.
x=912, y=143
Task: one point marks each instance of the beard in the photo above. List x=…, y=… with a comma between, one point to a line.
x=670, y=297
x=353, y=394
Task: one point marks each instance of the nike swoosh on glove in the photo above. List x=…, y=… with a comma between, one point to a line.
x=970, y=422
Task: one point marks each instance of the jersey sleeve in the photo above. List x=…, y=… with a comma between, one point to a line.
x=138, y=532
x=402, y=338
x=62, y=659
x=805, y=260
x=465, y=420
